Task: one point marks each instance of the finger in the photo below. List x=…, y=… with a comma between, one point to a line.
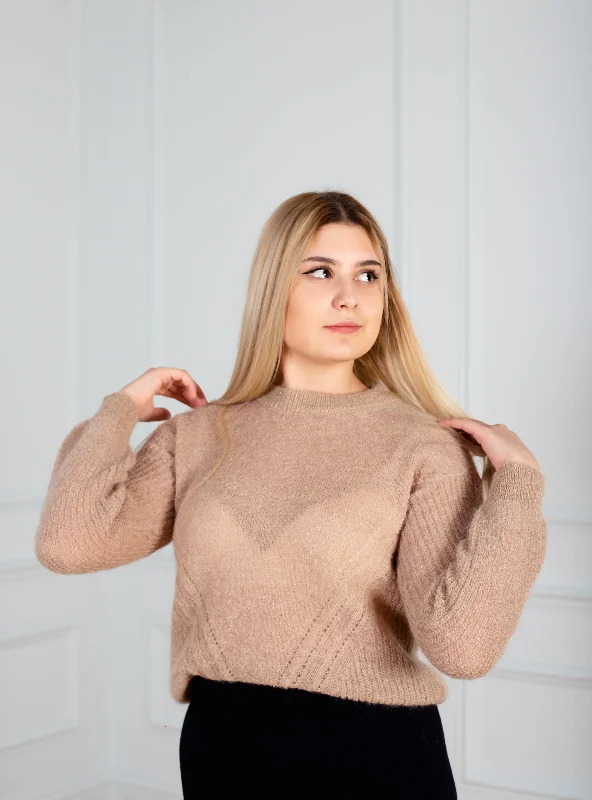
x=183, y=395
x=160, y=414
x=469, y=428
x=190, y=388
x=176, y=395
x=465, y=423
x=177, y=387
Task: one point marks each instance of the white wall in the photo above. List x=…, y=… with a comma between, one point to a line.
x=142, y=146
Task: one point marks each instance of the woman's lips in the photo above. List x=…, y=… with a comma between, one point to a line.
x=343, y=328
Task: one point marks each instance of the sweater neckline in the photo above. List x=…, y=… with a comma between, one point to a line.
x=289, y=399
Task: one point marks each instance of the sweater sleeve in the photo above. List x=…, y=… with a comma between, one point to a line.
x=107, y=505
x=465, y=567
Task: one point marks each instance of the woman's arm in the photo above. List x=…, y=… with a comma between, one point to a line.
x=106, y=505
x=465, y=567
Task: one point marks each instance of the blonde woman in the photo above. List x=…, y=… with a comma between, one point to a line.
x=328, y=520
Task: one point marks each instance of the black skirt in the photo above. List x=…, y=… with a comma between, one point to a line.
x=262, y=742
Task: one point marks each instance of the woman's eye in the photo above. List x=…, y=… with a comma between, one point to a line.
x=371, y=272
x=366, y=272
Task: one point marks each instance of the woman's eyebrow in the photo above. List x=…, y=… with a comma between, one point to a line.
x=368, y=262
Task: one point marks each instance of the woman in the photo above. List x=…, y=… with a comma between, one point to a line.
x=328, y=521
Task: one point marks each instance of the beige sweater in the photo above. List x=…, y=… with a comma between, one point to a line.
x=341, y=532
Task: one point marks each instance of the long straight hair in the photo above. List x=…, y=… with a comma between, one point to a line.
x=396, y=358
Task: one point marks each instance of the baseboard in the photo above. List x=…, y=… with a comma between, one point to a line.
x=95, y=788
x=109, y=789
x=126, y=789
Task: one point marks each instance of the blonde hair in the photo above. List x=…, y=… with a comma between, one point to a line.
x=396, y=358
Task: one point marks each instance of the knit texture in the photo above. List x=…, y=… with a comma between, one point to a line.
x=340, y=533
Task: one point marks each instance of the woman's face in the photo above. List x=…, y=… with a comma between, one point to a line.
x=340, y=280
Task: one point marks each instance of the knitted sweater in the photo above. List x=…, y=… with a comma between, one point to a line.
x=340, y=533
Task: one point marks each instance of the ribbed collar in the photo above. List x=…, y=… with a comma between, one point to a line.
x=288, y=399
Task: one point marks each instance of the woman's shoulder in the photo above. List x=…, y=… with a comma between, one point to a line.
x=418, y=422
x=195, y=418
x=435, y=447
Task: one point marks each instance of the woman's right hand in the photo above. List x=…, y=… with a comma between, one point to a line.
x=165, y=381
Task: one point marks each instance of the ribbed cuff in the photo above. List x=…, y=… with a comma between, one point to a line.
x=120, y=407
x=518, y=481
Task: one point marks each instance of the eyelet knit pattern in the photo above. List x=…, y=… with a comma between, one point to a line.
x=341, y=534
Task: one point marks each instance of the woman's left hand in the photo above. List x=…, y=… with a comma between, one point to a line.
x=499, y=442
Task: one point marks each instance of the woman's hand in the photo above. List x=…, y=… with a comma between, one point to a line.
x=499, y=442
x=167, y=382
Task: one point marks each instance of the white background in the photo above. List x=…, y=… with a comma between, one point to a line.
x=143, y=143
